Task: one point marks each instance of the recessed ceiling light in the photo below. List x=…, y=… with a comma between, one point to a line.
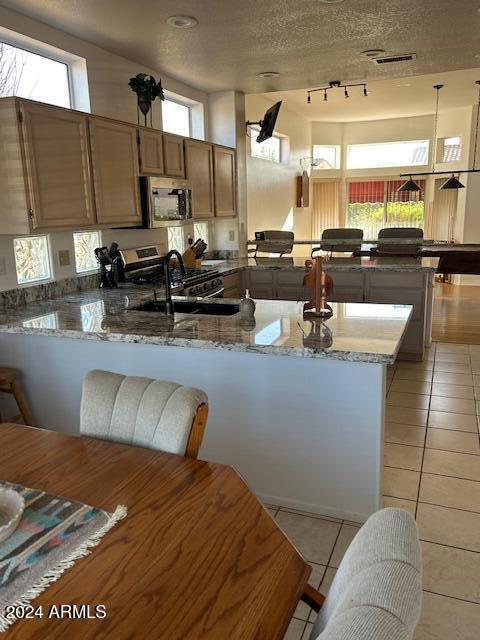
x=182, y=22
x=330, y=1
x=268, y=74
x=372, y=53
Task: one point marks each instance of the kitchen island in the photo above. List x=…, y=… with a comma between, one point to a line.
x=277, y=386
x=393, y=280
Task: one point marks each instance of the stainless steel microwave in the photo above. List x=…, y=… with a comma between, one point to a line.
x=165, y=201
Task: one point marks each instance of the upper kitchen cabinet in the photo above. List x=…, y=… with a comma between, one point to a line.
x=173, y=156
x=151, y=152
x=199, y=170
x=225, y=181
x=44, y=189
x=115, y=172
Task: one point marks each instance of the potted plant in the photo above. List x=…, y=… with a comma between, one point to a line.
x=147, y=90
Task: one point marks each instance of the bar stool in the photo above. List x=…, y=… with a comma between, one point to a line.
x=9, y=384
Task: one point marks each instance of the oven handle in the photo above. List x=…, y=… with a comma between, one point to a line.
x=215, y=294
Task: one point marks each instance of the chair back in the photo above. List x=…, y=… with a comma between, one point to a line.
x=150, y=413
x=272, y=241
x=400, y=232
x=330, y=235
x=376, y=592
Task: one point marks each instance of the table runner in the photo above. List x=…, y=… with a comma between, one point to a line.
x=52, y=534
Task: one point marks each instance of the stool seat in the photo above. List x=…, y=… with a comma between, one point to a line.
x=9, y=384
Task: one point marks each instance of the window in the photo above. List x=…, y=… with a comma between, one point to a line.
x=268, y=150
x=200, y=231
x=176, y=117
x=29, y=75
x=449, y=149
x=387, y=154
x=373, y=205
x=84, y=244
x=176, y=239
x=326, y=156
x=32, y=259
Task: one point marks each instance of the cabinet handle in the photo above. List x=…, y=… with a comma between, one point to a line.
x=30, y=214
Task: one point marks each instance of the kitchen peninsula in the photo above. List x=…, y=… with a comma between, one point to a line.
x=276, y=385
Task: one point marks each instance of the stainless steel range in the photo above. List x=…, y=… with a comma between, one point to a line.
x=144, y=266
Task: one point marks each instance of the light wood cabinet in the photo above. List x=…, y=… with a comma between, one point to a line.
x=151, y=152
x=173, y=156
x=199, y=170
x=225, y=181
x=233, y=285
x=115, y=172
x=45, y=178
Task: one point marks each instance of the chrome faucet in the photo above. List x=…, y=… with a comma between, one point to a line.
x=168, y=281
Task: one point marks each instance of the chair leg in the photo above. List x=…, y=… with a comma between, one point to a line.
x=313, y=598
x=196, y=431
x=22, y=405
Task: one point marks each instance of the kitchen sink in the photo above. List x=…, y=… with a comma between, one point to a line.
x=193, y=306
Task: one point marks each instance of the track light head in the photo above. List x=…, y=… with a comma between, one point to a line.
x=409, y=185
x=346, y=93
x=452, y=183
x=325, y=96
x=365, y=92
x=309, y=99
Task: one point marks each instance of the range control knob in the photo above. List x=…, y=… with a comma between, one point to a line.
x=206, y=286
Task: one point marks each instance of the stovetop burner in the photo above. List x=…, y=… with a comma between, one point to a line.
x=156, y=276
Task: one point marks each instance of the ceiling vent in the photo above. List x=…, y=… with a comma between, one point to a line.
x=406, y=57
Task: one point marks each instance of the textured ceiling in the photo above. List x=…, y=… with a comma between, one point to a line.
x=392, y=98
x=307, y=41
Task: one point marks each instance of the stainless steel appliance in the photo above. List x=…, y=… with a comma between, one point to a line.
x=144, y=266
x=165, y=201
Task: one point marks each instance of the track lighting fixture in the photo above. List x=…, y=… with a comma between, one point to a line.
x=336, y=84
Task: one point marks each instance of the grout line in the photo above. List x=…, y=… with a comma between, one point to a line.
x=450, y=546
x=446, y=506
x=444, y=595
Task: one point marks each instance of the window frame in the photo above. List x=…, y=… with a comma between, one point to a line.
x=34, y=282
x=77, y=75
x=282, y=139
x=338, y=157
x=93, y=269
x=386, y=180
x=380, y=144
x=182, y=103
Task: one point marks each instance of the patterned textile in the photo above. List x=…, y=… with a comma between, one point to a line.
x=52, y=534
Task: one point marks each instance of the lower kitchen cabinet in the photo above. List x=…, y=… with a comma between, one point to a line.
x=276, y=284
x=233, y=285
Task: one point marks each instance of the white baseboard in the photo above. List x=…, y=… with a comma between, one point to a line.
x=317, y=509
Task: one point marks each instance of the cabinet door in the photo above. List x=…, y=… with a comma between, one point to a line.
x=173, y=156
x=199, y=168
x=225, y=181
x=115, y=172
x=58, y=167
x=151, y=152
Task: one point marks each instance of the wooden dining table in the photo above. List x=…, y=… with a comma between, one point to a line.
x=197, y=556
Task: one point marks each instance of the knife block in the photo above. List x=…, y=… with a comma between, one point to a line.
x=190, y=260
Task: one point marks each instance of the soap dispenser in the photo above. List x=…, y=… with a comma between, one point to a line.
x=247, y=305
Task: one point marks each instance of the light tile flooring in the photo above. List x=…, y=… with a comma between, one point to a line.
x=432, y=468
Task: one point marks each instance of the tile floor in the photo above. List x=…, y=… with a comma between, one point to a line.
x=432, y=468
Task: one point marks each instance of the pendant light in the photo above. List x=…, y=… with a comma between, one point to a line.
x=409, y=185
x=452, y=183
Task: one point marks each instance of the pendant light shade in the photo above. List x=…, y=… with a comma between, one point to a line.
x=409, y=185
x=452, y=183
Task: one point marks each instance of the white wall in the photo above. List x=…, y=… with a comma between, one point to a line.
x=110, y=96
x=271, y=195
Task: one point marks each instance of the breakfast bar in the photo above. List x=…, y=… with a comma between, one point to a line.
x=276, y=383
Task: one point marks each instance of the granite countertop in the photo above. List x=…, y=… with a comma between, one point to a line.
x=337, y=262
x=356, y=332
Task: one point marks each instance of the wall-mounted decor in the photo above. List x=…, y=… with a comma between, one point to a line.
x=303, y=190
x=147, y=90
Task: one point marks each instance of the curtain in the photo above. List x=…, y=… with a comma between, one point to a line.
x=326, y=207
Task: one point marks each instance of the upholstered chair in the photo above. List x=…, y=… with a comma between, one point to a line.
x=277, y=242
x=376, y=592
x=400, y=232
x=149, y=413
x=331, y=236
